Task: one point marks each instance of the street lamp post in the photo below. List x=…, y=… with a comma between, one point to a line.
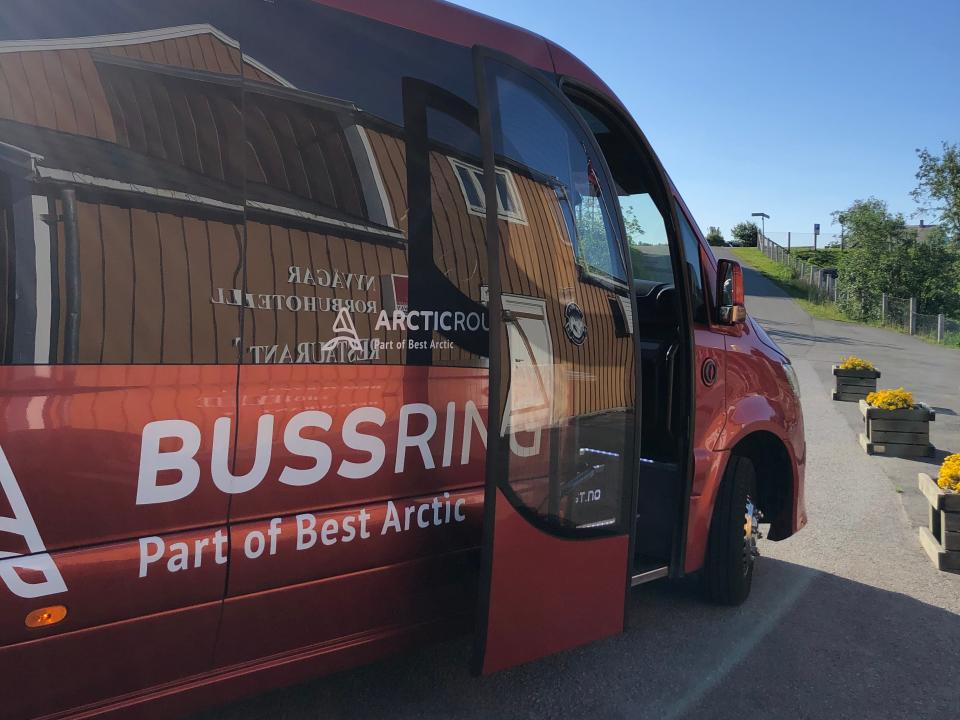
x=763, y=226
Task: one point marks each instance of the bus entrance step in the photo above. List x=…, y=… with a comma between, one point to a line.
x=649, y=575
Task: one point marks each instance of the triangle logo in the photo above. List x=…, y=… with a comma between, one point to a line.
x=39, y=560
x=346, y=332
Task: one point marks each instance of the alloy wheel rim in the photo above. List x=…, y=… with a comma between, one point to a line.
x=751, y=533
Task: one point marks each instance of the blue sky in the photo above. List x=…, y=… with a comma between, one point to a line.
x=793, y=108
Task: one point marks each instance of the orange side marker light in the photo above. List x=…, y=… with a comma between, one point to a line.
x=46, y=616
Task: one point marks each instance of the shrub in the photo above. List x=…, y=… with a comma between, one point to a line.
x=855, y=363
x=822, y=257
x=949, y=478
x=898, y=399
x=745, y=234
x=714, y=237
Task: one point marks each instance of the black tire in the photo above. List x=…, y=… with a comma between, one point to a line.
x=728, y=572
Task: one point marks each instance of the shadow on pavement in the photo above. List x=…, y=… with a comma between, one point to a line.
x=942, y=410
x=938, y=456
x=790, y=335
x=807, y=644
x=756, y=283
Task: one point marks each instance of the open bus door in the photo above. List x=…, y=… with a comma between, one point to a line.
x=559, y=500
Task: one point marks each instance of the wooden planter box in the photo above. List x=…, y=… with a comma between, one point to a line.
x=941, y=538
x=898, y=433
x=854, y=385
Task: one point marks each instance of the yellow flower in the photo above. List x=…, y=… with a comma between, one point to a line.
x=898, y=399
x=855, y=363
x=949, y=478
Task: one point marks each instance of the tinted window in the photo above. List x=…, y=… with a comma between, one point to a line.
x=568, y=373
x=691, y=249
x=365, y=207
x=117, y=243
x=554, y=151
x=634, y=182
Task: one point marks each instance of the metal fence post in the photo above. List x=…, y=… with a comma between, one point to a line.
x=913, y=316
x=883, y=309
x=941, y=327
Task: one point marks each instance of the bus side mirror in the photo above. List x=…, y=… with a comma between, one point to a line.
x=731, y=309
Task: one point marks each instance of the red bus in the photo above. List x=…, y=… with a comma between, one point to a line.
x=331, y=327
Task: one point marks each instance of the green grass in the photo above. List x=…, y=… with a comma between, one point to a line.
x=783, y=278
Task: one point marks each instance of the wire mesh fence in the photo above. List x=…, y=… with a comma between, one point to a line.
x=805, y=241
x=951, y=332
x=897, y=313
x=927, y=326
x=822, y=287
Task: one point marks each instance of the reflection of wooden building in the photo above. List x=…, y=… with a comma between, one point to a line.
x=156, y=189
x=123, y=164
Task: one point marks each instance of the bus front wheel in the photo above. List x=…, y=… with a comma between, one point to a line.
x=734, y=529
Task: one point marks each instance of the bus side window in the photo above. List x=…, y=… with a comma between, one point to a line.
x=133, y=256
x=642, y=206
x=691, y=249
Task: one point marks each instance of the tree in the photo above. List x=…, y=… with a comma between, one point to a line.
x=938, y=187
x=745, y=233
x=930, y=276
x=715, y=237
x=592, y=223
x=633, y=226
x=883, y=256
x=871, y=264
x=869, y=222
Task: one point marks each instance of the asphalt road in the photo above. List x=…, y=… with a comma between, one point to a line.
x=847, y=619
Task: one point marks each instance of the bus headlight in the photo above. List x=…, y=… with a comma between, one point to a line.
x=792, y=378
